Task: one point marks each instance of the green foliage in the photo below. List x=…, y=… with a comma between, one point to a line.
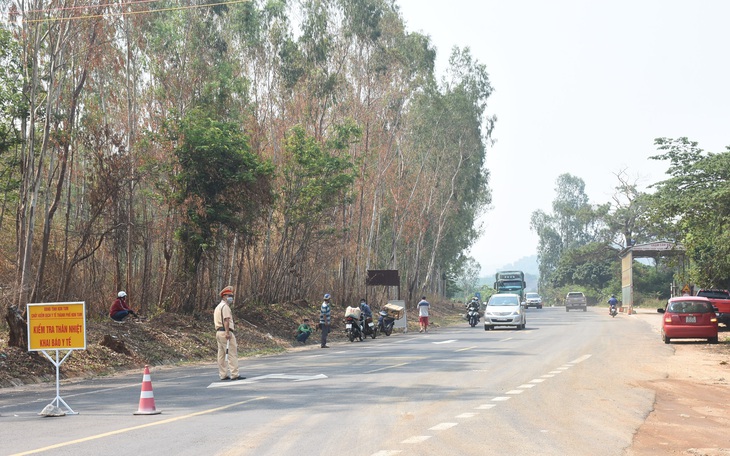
x=693, y=207
x=317, y=178
x=220, y=182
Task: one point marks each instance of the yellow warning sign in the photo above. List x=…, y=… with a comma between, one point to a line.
x=685, y=290
x=57, y=326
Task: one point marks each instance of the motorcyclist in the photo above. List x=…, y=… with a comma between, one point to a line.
x=475, y=305
x=366, y=311
x=366, y=314
x=612, y=303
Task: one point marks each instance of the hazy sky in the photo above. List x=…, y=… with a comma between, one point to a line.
x=583, y=87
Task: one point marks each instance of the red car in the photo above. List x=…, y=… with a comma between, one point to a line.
x=689, y=317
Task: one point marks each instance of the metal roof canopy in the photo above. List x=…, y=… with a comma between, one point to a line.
x=654, y=250
x=648, y=250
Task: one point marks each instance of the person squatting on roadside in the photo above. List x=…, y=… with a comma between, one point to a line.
x=120, y=309
x=423, y=306
x=324, y=319
x=303, y=331
x=227, y=346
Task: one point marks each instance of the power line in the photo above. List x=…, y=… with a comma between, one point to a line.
x=130, y=13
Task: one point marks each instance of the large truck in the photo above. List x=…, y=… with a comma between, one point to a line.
x=510, y=282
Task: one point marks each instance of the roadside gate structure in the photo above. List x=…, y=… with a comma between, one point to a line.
x=650, y=250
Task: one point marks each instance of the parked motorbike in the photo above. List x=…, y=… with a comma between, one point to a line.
x=385, y=323
x=612, y=311
x=352, y=328
x=472, y=316
x=369, y=328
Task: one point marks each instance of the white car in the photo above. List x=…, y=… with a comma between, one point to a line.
x=504, y=309
x=533, y=300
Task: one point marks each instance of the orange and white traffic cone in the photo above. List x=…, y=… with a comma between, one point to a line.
x=147, y=397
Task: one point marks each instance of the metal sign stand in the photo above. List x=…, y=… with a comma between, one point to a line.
x=54, y=407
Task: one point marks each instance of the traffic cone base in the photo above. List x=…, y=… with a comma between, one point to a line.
x=147, y=397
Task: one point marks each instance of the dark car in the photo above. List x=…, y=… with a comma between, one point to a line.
x=689, y=317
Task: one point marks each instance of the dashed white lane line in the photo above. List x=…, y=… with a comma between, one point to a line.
x=485, y=406
x=537, y=380
x=555, y=372
x=443, y=426
x=384, y=368
x=387, y=453
x=547, y=376
x=515, y=391
x=501, y=398
x=450, y=341
x=465, y=349
x=505, y=340
x=417, y=439
x=467, y=415
x=563, y=368
x=527, y=385
x=580, y=359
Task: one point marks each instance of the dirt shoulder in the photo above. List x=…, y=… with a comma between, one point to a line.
x=690, y=415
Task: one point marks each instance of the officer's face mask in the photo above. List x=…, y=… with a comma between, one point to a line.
x=229, y=299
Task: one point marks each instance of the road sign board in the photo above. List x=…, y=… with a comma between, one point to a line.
x=56, y=326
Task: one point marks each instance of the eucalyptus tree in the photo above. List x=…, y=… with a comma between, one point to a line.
x=445, y=177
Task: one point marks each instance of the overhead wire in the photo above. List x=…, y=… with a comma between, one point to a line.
x=127, y=13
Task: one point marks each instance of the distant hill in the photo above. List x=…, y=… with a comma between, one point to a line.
x=528, y=265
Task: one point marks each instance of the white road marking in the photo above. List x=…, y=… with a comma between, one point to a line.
x=417, y=439
x=445, y=342
x=384, y=368
x=296, y=378
x=581, y=359
x=555, y=372
x=485, y=406
x=509, y=338
x=501, y=398
x=547, y=376
x=387, y=453
x=537, y=380
x=443, y=426
x=515, y=392
x=465, y=349
x=564, y=368
x=526, y=385
x=468, y=415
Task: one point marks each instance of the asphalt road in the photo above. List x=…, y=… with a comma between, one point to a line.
x=566, y=385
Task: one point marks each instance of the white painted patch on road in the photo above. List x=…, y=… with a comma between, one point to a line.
x=443, y=426
x=547, y=376
x=526, y=385
x=485, y=406
x=564, y=368
x=417, y=439
x=465, y=349
x=467, y=415
x=580, y=360
x=296, y=378
x=501, y=398
x=515, y=392
x=387, y=453
x=537, y=380
x=505, y=340
x=555, y=372
x=450, y=341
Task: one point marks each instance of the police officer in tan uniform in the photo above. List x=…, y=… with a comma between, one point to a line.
x=224, y=334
